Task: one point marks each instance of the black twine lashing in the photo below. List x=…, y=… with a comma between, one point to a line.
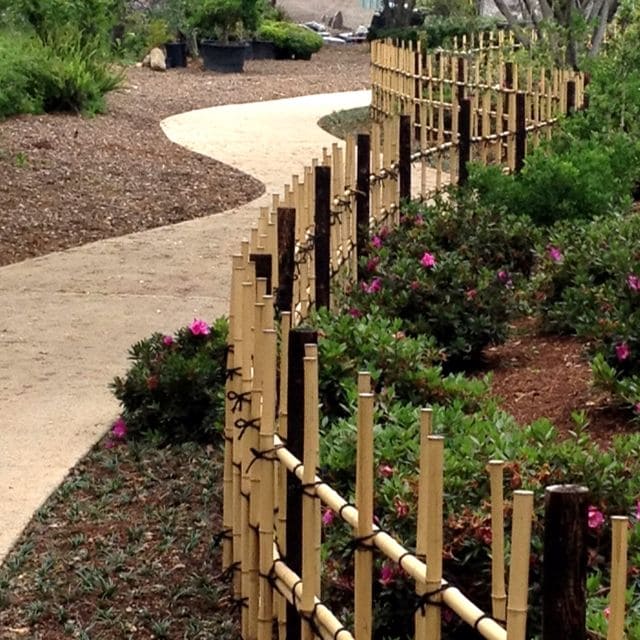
x=267, y=454
x=231, y=373
x=243, y=425
x=239, y=399
x=426, y=599
x=228, y=572
x=225, y=534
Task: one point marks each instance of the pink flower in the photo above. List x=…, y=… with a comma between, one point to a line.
x=428, y=260
x=110, y=443
x=372, y=264
x=636, y=407
x=384, y=232
x=402, y=508
x=415, y=285
x=387, y=574
x=555, y=254
x=328, y=516
x=376, y=241
x=634, y=282
x=167, y=341
x=199, y=328
x=119, y=429
x=385, y=470
x=471, y=294
x=607, y=612
x=374, y=287
x=595, y=517
x=622, y=351
x=419, y=220
x=355, y=313
x=638, y=510
x=504, y=278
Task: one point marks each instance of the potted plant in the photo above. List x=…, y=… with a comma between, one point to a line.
x=291, y=41
x=219, y=24
x=175, y=14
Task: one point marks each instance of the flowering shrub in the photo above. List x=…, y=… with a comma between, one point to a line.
x=592, y=289
x=175, y=386
x=444, y=282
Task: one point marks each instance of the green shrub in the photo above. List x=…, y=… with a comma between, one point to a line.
x=216, y=19
x=292, y=40
x=175, y=386
x=444, y=282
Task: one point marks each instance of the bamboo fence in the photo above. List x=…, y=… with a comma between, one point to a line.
x=308, y=239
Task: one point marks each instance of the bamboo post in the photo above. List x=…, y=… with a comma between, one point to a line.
x=322, y=237
x=298, y=338
x=426, y=426
x=434, y=534
x=364, y=503
x=565, y=563
x=519, y=569
x=362, y=197
x=267, y=494
x=364, y=382
x=619, y=535
x=310, y=520
x=498, y=593
x=521, y=132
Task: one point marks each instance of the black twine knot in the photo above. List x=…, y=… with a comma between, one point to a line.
x=426, y=599
x=239, y=399
x=243, y=425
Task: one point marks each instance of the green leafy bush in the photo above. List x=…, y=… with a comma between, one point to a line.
x=444, y=282
x=175, y=386
x=217, y=19
x=291, y=40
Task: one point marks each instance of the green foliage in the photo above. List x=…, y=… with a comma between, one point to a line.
x=69, y=76
x=468, y=290
x=570, y=179
x=217, y=19
x=291, y=39
x=175, y=386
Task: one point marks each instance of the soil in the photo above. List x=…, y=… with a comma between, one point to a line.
x=69, y=180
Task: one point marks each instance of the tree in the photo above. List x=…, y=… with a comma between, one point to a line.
x=571, y=27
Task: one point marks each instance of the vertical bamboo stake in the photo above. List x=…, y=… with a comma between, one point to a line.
x=498, y=593
x=310, y=522
x=434, y=533
x=364, y=382
x=426, y=419
x=519, y=569
x=364, y=503
x=266, y=469
x=619, y=540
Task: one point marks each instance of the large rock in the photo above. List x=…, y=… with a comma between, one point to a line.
x=157, y=60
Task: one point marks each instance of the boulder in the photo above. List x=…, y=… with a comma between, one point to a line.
x=157, y=60
x=338, y=21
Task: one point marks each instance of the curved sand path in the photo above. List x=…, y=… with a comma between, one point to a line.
x=68, y=318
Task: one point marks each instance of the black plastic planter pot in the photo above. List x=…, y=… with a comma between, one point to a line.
x=263, y=50
x=225, y=58
x=176, y=54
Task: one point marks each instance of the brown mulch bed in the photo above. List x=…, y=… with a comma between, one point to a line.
x=69, y=180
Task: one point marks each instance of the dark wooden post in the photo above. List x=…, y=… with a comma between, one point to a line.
x=404, y=170
x=571, y=97
x=585, y=96
x=521, y=131
x=264, y=267
x=286, y=248
x=461, y=92
x=565, y=563
x=295, y=443
x=508, y=75
x=464, y=145
x=362, y=197
x=322, y=236
x=417, y=117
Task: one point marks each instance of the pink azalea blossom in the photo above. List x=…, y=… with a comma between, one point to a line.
x=504, y=278
x=415, y=285
x=385, y=470
x=607, y=612
x=384, y=232
x=355, y=313
x=119, y=429
x=376, y=241
x=402, y=508
x=167, y=341
x=419, y=220
x=372, y=264
x=109, y=443
x=471, y=294
x=595, y=517
x=374, y=287
x=622, y=351
x=199, y=328
x=634, y=282
x=636, y=407
x=328, y=516
x=428, y=260
x=387, y=574
x=555, y=254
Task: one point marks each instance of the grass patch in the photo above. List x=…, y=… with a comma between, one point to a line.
x=347, y=122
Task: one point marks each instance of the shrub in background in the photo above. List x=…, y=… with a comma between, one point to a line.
x=174, y=389
x=290, y=39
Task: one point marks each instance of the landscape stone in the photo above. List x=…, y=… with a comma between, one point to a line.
x=157, y=60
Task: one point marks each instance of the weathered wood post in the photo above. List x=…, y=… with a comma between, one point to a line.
x=464, y=148
x=286, y=248
x=564, y=571
x=322, y=236
x=404, y=160
x=521, y=131
x=571, y=97
x=362, y=197
x=295, y=443
x=264, y=268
